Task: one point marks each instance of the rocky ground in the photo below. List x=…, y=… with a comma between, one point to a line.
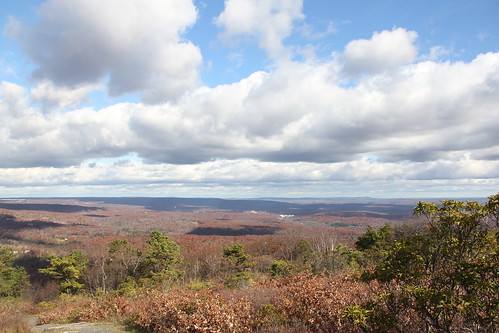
x=82, y=328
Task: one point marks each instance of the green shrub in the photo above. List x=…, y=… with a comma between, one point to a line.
x=198, y=285
x=281, y=268
x=239, y=280
x=447, y=277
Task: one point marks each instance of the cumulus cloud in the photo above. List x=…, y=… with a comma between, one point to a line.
x=30, y=137
x=268, y=21
x=12, y=102
x=50, y=96
x=385, y=50
x=297, y=113
x=136, y=46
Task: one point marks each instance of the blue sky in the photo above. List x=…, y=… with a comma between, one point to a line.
x=249, y=98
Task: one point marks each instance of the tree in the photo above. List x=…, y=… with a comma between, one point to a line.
x=372, y=245
x=123, y=262
x=241, y=265
x=372, y=239
x=447, y=276
x=162, y=260
x=303, y=253
x=68, y=271
x=237, y=255
x=107, y=270
x=13, y=279
x=491, y=208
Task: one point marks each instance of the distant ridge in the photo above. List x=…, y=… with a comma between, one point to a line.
x=339, y=206
x=393, y=210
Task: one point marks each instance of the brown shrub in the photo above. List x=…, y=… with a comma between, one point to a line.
x=63, y=310
x=318, y=302
x=301, y=303
x=187, y=311
x=13, y=314
x=117, y=308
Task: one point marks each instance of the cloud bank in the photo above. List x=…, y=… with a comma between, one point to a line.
x=371, y=113
x=297, y=113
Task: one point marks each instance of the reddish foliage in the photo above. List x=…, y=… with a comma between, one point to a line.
x=195, y=312
x=319, y=301
x=304, y=303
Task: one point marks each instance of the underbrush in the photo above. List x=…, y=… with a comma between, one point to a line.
x=302, y=303
x=13, y=316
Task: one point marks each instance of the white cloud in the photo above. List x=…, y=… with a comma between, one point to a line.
x=419, y=123
x=50, y=97
x=268, y=21
x=297, y=113
x=12, y=102
x=135, y=45
x=383, y=51
x=31, y=137
x=254, y=178
x=436, y=53
x=311, y=33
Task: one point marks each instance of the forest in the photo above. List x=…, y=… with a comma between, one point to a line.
x=435, y=272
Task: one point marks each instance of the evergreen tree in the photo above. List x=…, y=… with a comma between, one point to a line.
x=13, y=279
x=381, y=239
x=68, y=271
x=241, y=266
x=162, y=260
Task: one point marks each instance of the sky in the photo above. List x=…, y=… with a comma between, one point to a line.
x=249, y=98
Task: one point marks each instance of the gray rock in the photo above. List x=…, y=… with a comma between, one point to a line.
x=80, y=328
